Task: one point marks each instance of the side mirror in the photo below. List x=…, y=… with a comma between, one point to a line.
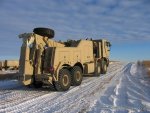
x=108, y=44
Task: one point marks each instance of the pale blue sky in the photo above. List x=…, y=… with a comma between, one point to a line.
x=126, y=23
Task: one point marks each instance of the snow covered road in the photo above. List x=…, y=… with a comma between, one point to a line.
x=123, y=89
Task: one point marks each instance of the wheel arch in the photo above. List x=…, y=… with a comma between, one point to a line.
x=80, y=65
x=67, y=66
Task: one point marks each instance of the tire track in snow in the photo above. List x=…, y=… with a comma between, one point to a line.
x=14, y=99
x=62, y=97
x=29, y=103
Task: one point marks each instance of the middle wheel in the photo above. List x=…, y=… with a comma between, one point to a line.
x=76, y=76
x=64, y=80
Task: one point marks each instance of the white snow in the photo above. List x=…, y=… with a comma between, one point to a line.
x=125, y=88
x=129, y=92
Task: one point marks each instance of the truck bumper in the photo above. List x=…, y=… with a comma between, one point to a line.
x=27, y=79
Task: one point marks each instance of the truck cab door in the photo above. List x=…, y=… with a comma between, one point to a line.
x=97, y=49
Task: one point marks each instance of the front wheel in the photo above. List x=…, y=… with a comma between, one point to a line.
x=64, y=80
x=98, y=69
x=103, y=67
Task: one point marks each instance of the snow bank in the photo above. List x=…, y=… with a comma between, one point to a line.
x=133, y=69
x=129, y=92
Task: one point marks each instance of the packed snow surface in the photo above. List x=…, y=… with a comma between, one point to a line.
x=125, y=88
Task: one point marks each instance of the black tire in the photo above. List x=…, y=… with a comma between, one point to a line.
x=76, y=76
x=103, y=66
x=38, y=84
x=44, y=32
x=98, y=69
x=64, y=80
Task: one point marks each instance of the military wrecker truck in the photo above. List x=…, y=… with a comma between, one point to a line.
x=61, y=64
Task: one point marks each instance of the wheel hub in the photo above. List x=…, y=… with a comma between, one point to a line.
x=78, y=76
x=65, y=80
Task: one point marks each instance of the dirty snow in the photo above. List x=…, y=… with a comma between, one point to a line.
x=125, y=88
x=8, y=71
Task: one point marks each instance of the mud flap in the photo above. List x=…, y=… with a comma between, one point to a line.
x=26, y=68
x=27, y=80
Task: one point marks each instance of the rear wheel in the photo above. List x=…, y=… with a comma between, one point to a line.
x=44, y=32
x=76, y=76
x=103, y=66
x=64, y=80
x=38, y=84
